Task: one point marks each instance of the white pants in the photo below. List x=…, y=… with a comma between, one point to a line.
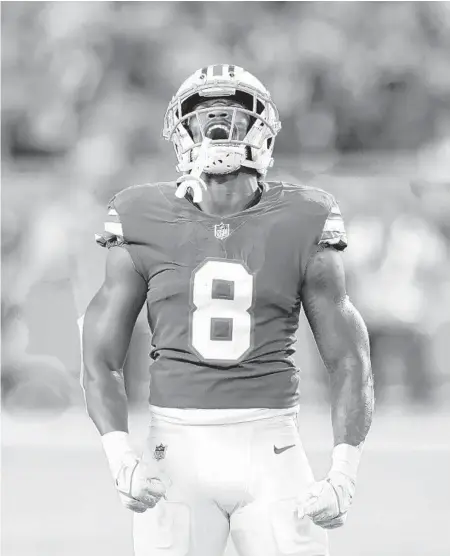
x=228, y=479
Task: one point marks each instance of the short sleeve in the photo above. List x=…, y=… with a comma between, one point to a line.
x=333, y=232
x=112, y=234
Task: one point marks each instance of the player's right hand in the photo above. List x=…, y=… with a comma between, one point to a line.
x=138, y=489
x=137, y=484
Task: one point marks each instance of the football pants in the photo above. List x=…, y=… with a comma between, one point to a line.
x=242, y=480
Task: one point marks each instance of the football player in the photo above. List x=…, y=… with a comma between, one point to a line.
x=225, y=260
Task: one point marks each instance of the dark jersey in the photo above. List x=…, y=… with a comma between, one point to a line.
x=223, y=292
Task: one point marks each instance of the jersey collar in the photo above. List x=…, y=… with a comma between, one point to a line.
x=271, y=192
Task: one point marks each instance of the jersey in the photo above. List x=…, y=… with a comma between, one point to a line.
x=224, y=292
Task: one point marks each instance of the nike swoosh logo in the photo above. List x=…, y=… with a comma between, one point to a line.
x=283, y=449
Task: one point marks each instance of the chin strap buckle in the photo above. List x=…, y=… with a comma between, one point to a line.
x=194, y=184
x=193, y=180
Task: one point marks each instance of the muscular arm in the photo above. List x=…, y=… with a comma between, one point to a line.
x=108, y=325
x=343, y=343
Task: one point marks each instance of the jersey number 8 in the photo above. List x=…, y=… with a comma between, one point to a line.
x=222, y=293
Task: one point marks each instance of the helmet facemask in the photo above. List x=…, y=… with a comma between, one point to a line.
x=228, y=149
x=226, y=126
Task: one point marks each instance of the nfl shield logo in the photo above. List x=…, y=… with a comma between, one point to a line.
x=221, y=231
x=160, y=452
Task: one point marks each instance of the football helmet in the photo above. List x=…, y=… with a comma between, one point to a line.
x=223, y=155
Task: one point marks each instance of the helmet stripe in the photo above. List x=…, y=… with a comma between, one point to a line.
x=217, y=70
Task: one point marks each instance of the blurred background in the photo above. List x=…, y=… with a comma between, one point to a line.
x=363, y=90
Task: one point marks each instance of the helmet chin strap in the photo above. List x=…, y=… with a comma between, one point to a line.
x=193, y=181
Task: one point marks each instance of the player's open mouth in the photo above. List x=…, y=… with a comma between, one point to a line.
x=218, y=131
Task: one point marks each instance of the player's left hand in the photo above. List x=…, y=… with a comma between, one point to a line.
x=327, y=502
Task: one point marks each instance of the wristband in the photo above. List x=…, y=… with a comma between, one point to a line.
x=346, y=459
x=117, y=448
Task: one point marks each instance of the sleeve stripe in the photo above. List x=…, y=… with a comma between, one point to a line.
x=334, y=240
x=334, y=218
x=112, y=218
x=326, y=236
x=334, y=225
x=335, y=211
x=114, y=228
x=333, y=232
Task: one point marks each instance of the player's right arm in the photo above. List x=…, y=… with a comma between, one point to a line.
x=108, y=325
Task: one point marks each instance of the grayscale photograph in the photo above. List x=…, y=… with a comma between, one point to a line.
x=225, y=271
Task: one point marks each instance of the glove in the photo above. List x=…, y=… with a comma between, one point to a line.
x=327, y=502
x=135, y=480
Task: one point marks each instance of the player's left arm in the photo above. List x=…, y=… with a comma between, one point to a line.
x=343, y=343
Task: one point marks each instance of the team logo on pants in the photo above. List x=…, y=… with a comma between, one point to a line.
x=160, y=452
x=221, y=231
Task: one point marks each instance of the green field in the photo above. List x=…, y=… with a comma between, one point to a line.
x=58, y=499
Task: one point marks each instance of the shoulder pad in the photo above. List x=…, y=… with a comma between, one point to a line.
x=333, y=232
x=312, y=194
x=129, y=196
x=125, y=205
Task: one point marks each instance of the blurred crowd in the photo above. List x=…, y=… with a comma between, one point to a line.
x=363, y=90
